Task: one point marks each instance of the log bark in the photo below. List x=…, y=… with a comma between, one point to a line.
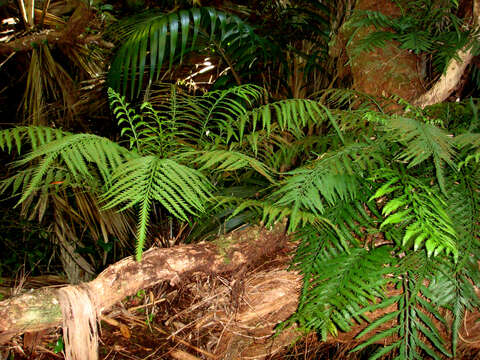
x=40, y=309
x=268, y=296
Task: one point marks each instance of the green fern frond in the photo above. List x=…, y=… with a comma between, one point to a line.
x=343, y=283
x=333, y=177
x=36, y=136
x=417, y=41
x=349, y=99
x=73, y=154
x=291, y=115
x=416, y=321
x=229, y=160
x=271, y=213
x=418, y=210
x=140, y=181
x=423, y=141
x=217, y=112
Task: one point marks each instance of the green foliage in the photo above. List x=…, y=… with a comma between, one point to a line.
x=140, y=181
x=152, y=39
x=419, y=210
x=385, y=207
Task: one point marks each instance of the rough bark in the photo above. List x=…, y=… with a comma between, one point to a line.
x=391, y=70
x=39, y=309
x=384, y=71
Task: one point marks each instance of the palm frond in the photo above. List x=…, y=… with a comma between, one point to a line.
x=159, y=38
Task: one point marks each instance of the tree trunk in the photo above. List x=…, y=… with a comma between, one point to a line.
x=390, y=70
x=383, y=71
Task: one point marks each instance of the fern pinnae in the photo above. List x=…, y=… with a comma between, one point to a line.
x=36, y=136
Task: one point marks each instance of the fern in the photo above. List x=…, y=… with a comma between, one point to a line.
x=423, y=141
x=223, y=160
x=419, y=211
x=140, y=181
x=290, y=115
x=36, y=136
x=73, y=154
x=416, y=331
x=333, y=177
x=340, y=284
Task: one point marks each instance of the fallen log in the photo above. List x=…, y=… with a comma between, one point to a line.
x=258, y=300
x=41, y=309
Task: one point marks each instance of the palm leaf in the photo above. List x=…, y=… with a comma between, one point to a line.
x=156, y=36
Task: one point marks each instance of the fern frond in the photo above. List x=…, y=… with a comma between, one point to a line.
x=73, y=154
x=417, y=319
x=229, y=160
x=418, y=210
x=36, y=136
x=271, y=213
x=423, y=141
x=140, y=181
x=342, y=284
x=333, y=177
x=291, y=115
x=217, y=112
